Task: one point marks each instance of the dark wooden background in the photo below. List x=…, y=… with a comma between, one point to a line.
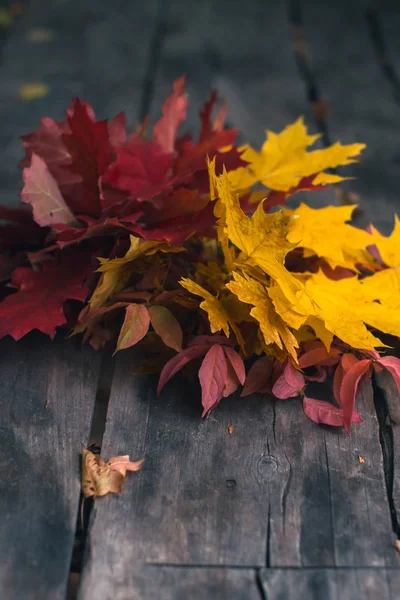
x=281, y=508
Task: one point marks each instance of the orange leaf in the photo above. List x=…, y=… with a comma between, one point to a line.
x=134, y=327
x=100, y=478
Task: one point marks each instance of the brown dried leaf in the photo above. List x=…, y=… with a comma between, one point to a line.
x=100, y=478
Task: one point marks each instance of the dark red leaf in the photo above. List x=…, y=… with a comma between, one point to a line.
x=38, y=303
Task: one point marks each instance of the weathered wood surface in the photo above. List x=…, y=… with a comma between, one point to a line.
x=388, y=406
x=330, y=584
x=47, y=395
x=361, y=104
x=209, y=509
x=278, y=491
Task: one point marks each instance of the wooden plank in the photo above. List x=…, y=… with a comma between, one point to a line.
x=362, y=106
x=178, y=583
x=279, y=491
x=388, y=405
x=47, y=397
x=330, y=584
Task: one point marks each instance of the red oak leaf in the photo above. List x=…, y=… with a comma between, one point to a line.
x=173, y=114
x=326, y=413
x=212, y=375
x=47, y=142
x=88, y=146
x=141, y=168
x=38, y=303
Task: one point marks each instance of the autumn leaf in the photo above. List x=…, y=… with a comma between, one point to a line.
x=284, y=160
x=100, y=478
x=174, y=113
x=42, y=192
x=134, y=327
x=289, y=384
x=389, y=247
x=212, y=376
x=273, y=328
x=166, y=326
x=326, y=413
x=258, y=377
x=312, y=229
x=179, y=361
x=39, y=300
x=262, y=237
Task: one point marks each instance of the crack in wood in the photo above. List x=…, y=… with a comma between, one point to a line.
x=386, y=441
x=156, y=46
x=382, y=57
x=98, y=425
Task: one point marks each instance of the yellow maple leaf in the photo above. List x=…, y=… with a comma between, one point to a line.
x=344, y=308
x=284, y=160
x=388, y=246
x=217, y=315
x=261, y=237
x=326, y=233
x=273, y=328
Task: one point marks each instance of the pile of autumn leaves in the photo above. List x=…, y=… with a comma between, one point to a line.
x=171, y=245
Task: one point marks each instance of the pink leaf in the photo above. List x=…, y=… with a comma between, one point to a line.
x=326, y=413
x=173, y=114
x=134, y=327
x=42, y=192
x=178, y=362
x=349, y=389
x=258, y=376
x=290, y=383
x=392, y=364
x=212, y=375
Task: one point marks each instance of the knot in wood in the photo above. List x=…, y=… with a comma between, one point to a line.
x=266, y=465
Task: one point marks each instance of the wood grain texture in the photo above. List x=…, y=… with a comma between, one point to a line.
x=330, y=584
x=47, y=395
x=388, y=397
x=362, y=106
x=278, y=491
x=175, y=583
